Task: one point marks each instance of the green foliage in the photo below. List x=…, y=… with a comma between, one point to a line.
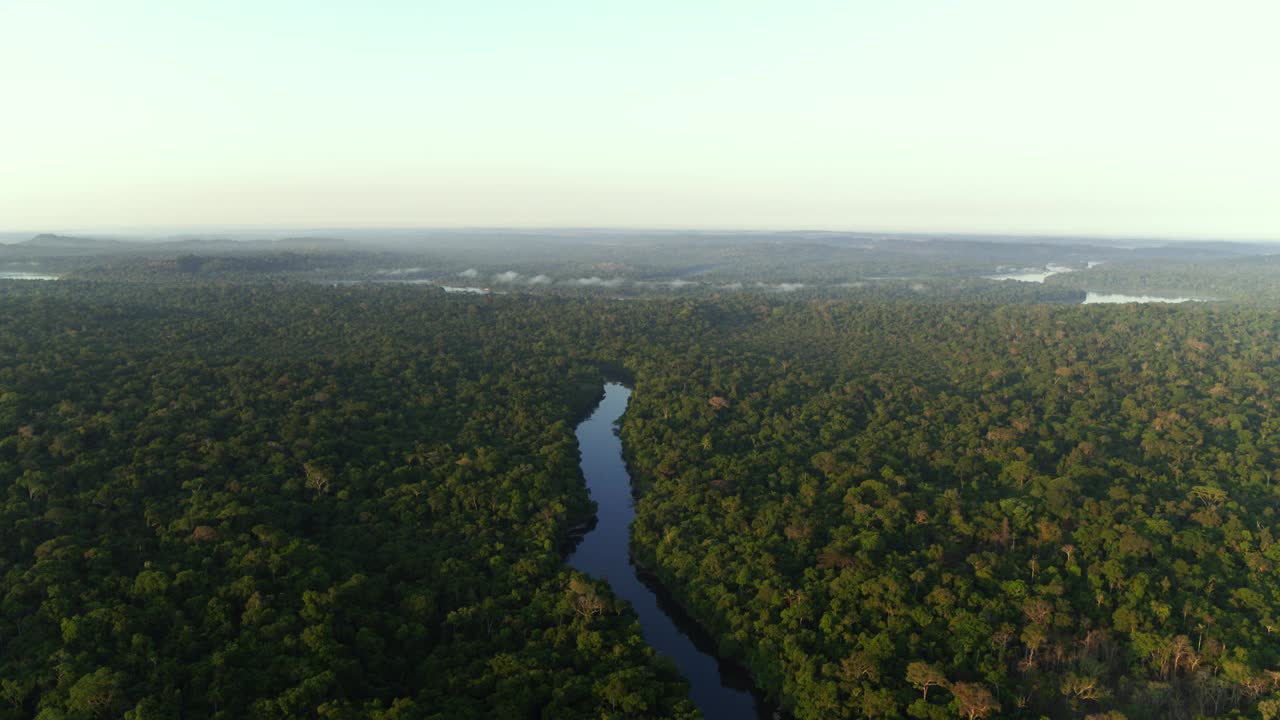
x=302, y=501
x=298, y=502
x=1072, y=508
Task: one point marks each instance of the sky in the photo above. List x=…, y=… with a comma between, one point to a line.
x=1111, y=117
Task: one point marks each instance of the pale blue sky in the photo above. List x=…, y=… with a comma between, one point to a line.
x=1128, y=117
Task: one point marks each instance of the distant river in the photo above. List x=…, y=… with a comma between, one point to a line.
x=1034, y=275
x=4, y=275
x=718, y=689
x=1097, y=298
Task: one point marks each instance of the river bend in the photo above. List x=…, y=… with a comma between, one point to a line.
x=720, y=690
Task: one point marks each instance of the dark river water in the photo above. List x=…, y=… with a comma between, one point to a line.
x=720, y=690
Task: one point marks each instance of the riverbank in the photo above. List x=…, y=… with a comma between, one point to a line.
x=720, y=689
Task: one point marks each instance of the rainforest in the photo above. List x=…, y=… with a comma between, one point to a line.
x=279, y=500
x=673, y=360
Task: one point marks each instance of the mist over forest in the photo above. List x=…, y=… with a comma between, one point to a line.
x=697, y=263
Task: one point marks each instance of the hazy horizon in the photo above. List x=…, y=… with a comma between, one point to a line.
x=1138, y=119
x=264, y=232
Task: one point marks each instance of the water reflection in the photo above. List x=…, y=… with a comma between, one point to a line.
x=719, y=689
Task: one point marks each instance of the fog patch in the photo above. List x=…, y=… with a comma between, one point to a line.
x=509, y=276
x=469, y=273
x=782, y=287
x=1033, y=275
x=539, y=280
x=26, y=276
x=677, y=283
x=401, y=271
x=596, y=281
x=1096, y=298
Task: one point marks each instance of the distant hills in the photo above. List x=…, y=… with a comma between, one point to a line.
x=49, y=240
x=54, y=245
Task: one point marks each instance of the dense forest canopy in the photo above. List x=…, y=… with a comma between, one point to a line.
x=275, y=500
x=1246, y=280
x=298, y=503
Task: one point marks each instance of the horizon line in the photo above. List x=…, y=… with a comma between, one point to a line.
x=160, y=229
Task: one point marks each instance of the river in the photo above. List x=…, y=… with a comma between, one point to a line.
x=1033, y=275
x=719, y=689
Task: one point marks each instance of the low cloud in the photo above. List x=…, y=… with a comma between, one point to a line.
x=469, y=273
x=506, y=277
x=781, y=287
x=596, y=281
x=539, y=280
